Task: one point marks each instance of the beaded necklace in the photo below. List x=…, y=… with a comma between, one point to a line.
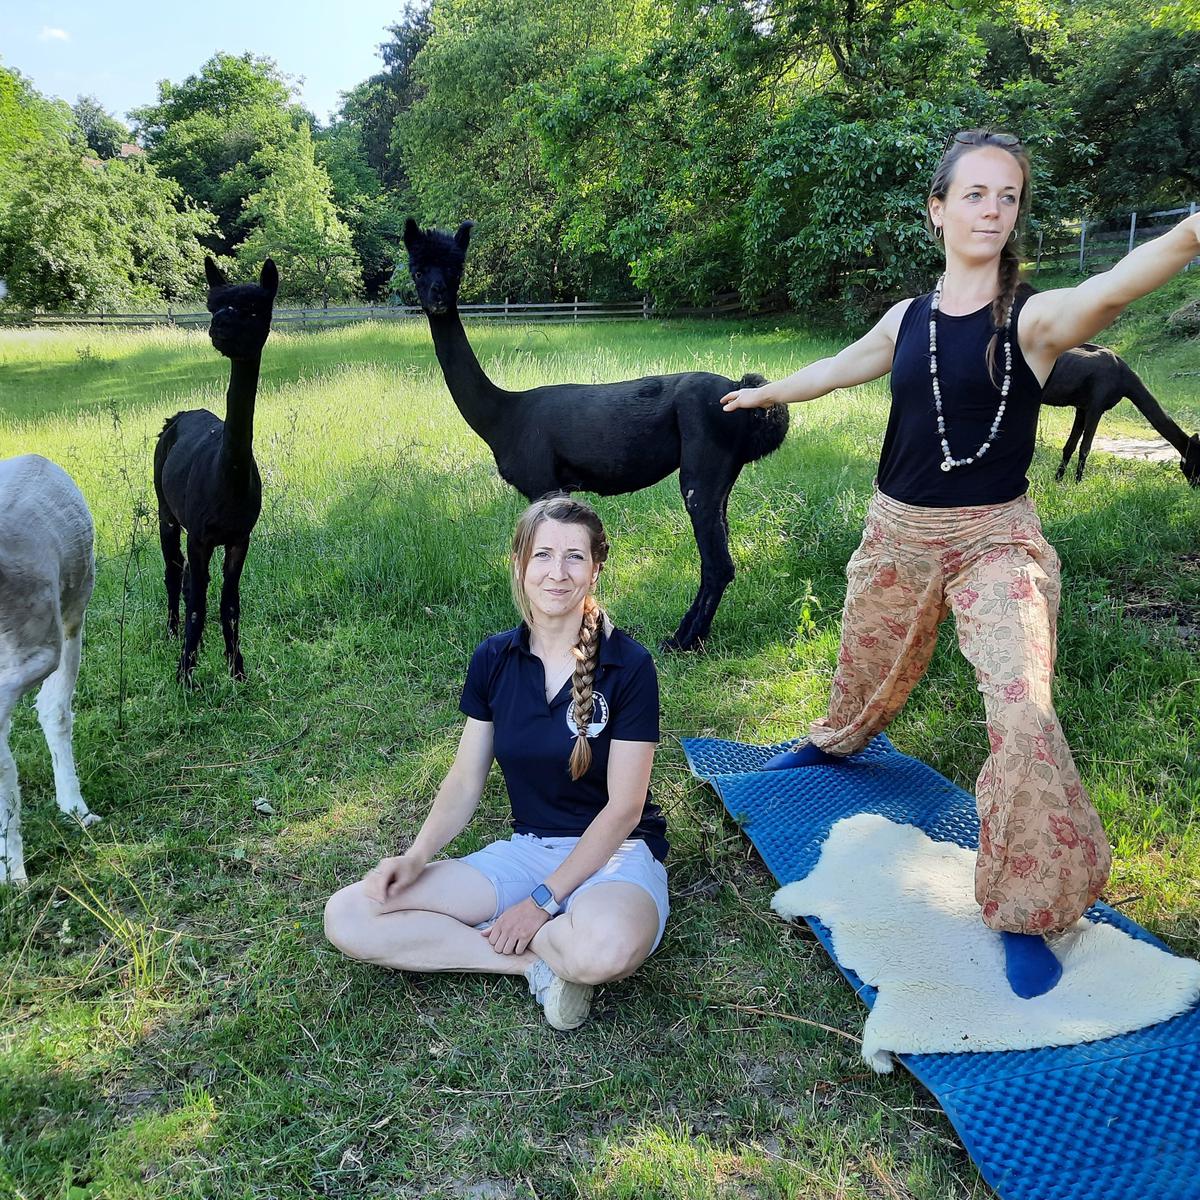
x=949, y=462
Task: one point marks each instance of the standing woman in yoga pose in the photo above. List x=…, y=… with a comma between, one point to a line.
x=568, y=706
x=950, y=528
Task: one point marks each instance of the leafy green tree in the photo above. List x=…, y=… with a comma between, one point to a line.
x=28, y=121
x=1133, y=99
x=469, y=142
x=206, y=132
x=370, y=109
x=375, y=215
x=294, y=221
x=649, y=147
x=81, y=235
x=102, y=132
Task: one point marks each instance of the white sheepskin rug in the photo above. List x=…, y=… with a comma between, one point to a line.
x=901, y=909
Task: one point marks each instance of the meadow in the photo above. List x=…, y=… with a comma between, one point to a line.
x=173, y=1022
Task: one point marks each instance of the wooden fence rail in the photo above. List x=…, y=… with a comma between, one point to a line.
x=1083, y=246
x=1086, y=246
x=540, y=313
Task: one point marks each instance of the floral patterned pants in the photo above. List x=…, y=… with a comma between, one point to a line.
x=1043, y=856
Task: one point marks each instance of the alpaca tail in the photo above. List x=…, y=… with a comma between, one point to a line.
x=168, y=424
x=767, y=426
x=167, y=437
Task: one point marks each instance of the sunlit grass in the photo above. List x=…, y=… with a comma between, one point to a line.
x=174, y=1022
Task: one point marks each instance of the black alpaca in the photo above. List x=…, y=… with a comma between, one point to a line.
x=1092, y=379
x=205, y=475
x=606, y=438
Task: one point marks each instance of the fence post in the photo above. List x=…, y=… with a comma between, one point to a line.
x=170, y=315
x=1082, y=241
x=645, y=308
x=575, y=311
x=1037, y=266
x=506, y=308
x=1132, y=229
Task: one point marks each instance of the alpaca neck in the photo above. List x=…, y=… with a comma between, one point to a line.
x=479, y=400
x=237, y=457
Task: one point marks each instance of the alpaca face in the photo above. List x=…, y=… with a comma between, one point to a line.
x=241, y=312
x=435, y=262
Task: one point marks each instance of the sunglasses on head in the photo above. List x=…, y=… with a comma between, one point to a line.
x=982, y=137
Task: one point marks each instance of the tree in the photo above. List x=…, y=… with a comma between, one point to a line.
x=293, y=220
x=375, y=216
x=370, y=109
x=206, y=131
x=81, y=235
x=28, y=121
x=1133, y=95
x=102, y=133
x=469, y=141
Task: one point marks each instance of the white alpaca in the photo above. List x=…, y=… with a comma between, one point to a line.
x=46, y=577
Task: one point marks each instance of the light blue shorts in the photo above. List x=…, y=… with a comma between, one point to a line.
x=516, y=866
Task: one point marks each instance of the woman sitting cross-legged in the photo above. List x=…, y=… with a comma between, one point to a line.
x=568, y=706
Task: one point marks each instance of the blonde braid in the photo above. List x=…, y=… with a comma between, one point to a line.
x=586, y=651
x=1010, y=279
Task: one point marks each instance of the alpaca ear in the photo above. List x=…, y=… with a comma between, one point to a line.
x=268, y=277
x=412, y=233
x=462, y=235
x=215, y=276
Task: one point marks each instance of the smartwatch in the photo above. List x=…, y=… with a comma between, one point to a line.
x=543, y=897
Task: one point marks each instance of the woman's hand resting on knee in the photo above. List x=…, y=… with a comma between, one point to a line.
x=392, y=875
x=513, y=929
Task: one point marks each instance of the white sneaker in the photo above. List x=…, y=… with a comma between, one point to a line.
x=565, y=1004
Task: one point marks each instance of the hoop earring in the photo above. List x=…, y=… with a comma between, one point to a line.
x=937, y=233
x=1012, y=237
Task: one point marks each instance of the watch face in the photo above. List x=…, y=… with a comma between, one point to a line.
x=542, y=895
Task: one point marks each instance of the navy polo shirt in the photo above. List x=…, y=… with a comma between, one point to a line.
x=532, y=738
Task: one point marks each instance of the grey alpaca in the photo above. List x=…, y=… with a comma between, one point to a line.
x=607, y=438
x=205, y=476
x=46, y=575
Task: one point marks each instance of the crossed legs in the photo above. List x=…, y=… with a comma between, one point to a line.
x=607, y=933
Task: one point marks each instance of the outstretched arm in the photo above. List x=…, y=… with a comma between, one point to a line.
x=861, y=361
x=1054, y=321
x=454, y=806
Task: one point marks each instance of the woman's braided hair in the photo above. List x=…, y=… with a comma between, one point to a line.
x=1010, y=255
x=587, y=650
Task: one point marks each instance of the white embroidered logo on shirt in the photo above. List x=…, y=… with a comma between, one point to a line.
x=599, y=716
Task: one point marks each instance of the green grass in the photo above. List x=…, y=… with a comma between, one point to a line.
x=174, y=1024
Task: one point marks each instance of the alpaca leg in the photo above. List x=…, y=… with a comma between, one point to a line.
x=12, y=850
x=706, y=503
x=1085, y=446
x=22, y=666
x=198, y=558
x=57, y=720
x=235, y=560
x=169, y=539
x=1072, y=441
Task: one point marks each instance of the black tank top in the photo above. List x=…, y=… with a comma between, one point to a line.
x=910, y=464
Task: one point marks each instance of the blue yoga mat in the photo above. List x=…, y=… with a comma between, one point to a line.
x=1117, y=1119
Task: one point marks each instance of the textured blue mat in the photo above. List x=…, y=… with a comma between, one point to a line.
x=1112, y=1120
